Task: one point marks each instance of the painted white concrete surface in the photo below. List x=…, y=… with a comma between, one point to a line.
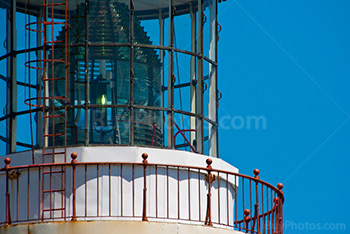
x=112, y=227
x=108, y=194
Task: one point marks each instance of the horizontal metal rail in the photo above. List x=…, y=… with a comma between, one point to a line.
x=158, y=192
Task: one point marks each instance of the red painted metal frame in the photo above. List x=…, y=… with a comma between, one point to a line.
x=181, y=131
x=266, y=218
x=59, y=54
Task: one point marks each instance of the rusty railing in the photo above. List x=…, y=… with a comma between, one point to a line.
x=150, y=192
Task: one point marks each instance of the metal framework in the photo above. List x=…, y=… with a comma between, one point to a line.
x=202, y=80
x=54, y=124
x=257, y=206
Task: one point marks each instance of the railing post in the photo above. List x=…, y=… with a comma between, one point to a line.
x=280, y=209
x=8, y=214
x=246, y=219
x=145, y=162
x=208, y=222
x=256, y=206
x=74, y=189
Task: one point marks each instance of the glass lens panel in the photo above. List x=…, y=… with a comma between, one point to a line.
x=109, y=21
x=76, y=126
x=148, y=127
x=183, y=84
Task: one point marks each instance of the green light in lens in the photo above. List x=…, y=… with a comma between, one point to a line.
x=103, y=100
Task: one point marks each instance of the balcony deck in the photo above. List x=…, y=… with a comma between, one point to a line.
x=117, y=184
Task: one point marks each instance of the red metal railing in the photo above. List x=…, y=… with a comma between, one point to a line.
x=158, y=192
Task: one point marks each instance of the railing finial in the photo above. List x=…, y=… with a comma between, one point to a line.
x=246, y=218
x=74, y=156
x=280, y=186
x=256, y=173
x=7, y=162
x=209, y=161
x=145, y=157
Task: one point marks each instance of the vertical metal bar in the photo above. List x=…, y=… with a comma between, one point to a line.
x=228, y=204
x=243, y=204
x=144, y=211
x=199, y=88
x=199, y=193
x=272, y=214
x=219, y=221
x=133, y=190
x=156, y=191
x=85, y=187
x=39, y=55
x=40, y=187
x=11, y=44
x=131, y=83
x=28, y=193
x=216, y=78
x=262, y=207
x=161, y=52
x=235, y=203
x=167, y=192
x=267, y=209
x=109, y=191
x=212, y=141
x=121, y=190
x=63, y=190
x=44, y=83
x=17, y=197
x=171, y=78
x=87, y=84
x=8, y=214
x=257, y=206
x=280, y=208
x=52, y=63
x=250, y=201
x=50, y=191
x=208, y=215
x=74, y=189
x=98, y=189
x=178, y=192
x=193, y=72
x=189, y=194
x=280, y=214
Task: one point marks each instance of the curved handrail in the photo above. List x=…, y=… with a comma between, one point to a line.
x=253, y=223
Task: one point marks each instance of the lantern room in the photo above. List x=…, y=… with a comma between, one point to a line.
x=110, y=72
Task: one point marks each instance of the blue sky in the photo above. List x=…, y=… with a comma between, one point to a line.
x=288, y=62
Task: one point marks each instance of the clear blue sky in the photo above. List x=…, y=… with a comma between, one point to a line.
x=288, y=61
